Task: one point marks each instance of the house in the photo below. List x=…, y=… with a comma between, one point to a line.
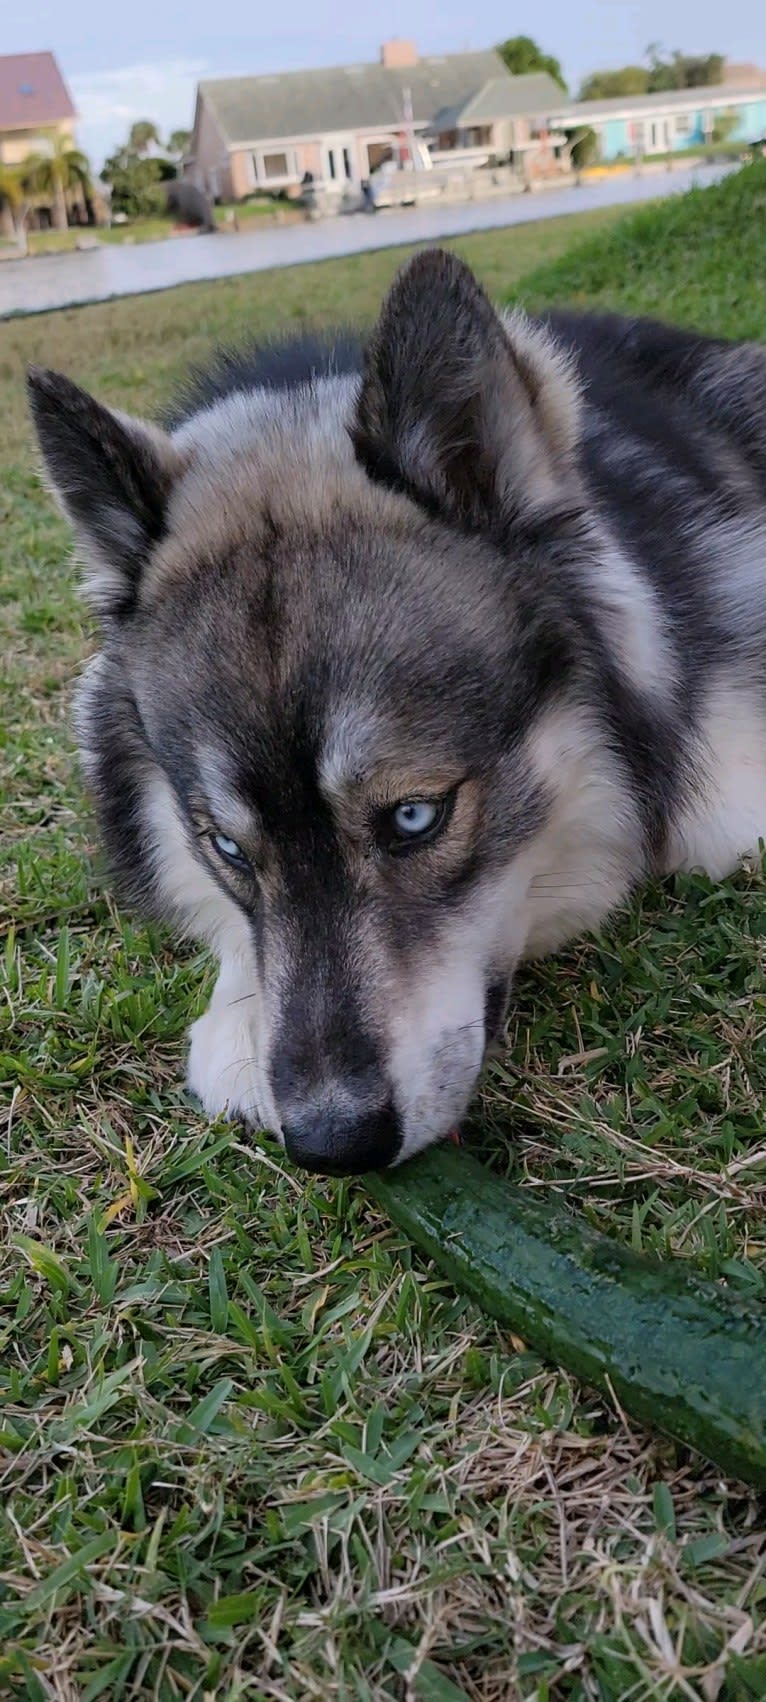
x=265, y=132
x=672, y=122
x=505, y=115
x=37, y=117
x=744, y=75
x=35, y=106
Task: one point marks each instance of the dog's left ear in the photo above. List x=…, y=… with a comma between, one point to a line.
x=471, y=414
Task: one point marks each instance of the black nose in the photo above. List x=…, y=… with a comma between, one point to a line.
x=335, y=1143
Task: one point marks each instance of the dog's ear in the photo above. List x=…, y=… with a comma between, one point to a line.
x=473, y=415
x=112, y=476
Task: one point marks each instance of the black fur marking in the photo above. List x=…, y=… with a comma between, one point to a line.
x=495, y=1007
x=639, y=729
x=123, y=762
x=323, y=1039
x=283, y=364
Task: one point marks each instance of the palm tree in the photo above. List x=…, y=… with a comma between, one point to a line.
x=56, y=176
x=13, y=204
x=143, y=136
x=178, y=142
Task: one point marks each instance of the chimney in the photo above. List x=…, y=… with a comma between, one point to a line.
x=398, y=55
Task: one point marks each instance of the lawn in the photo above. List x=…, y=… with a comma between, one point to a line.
x=250, y=1445
x=249, y=216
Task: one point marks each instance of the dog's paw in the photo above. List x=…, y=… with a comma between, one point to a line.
x=222, y=1070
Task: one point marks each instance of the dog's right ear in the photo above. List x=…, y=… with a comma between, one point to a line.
x=112, y=476
x=473, y=416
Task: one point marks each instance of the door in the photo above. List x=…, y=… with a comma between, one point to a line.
x=339, y=160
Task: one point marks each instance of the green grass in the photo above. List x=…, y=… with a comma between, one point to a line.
x=699, y=261
x=249, y=215
x=250, y=1446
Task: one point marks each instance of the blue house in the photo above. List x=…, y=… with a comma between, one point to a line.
x=667, y=123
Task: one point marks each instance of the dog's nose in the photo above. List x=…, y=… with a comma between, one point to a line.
x=334, y=1143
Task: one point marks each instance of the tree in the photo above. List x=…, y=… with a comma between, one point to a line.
x=682, y=70
x=143, y=136
x=724, y=125
x=136, y=183
x=690, y=71
x=13, y=204
x=178, y=142
x=521, y=55
x=583, y=148
x=608, y=85
x=662, y=72
x=55, y=176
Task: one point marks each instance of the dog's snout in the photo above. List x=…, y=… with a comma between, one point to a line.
x=343, y=1143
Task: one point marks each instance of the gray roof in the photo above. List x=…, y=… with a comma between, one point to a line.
x=672, y=100
x=350, y=97
x=511, y=97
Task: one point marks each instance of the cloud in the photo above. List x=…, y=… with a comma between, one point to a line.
x=108, y=102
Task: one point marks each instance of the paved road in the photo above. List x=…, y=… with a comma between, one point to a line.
x=66, y=280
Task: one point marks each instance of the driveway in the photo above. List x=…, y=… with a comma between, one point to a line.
x=66, y=280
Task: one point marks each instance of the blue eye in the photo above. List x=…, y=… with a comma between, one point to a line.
x=412, y=823
x=229, y=850
x=411, y=819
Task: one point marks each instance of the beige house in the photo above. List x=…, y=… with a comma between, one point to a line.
x=35, y=106
x=744, y=75
x=264, y=133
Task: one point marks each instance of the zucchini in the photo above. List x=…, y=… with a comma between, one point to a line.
x=679, y=1353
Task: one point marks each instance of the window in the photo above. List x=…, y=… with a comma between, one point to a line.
x=347, y=163
x=274, y=165
x=683, y=124
x=275, y=168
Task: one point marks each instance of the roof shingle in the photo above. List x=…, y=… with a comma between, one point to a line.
x=510, y=97
x=358, y=97
x=672, y=100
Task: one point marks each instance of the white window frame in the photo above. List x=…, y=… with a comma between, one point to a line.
x=684, y=123
x=285, y=178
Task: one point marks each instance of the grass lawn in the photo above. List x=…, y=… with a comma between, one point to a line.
x=250, y=1446
x=249, y=215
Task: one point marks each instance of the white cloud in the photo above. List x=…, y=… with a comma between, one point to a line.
x=108, y=102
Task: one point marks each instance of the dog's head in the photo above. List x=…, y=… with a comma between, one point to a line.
x=328, y=629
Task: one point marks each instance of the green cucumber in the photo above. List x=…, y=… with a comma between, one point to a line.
x=679, y=1353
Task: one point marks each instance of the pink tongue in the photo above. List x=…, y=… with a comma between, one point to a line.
x=454, y=1137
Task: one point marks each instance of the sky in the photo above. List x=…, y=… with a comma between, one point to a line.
x=143, y=58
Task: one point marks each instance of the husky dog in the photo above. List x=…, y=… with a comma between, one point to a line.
x=416, y=659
